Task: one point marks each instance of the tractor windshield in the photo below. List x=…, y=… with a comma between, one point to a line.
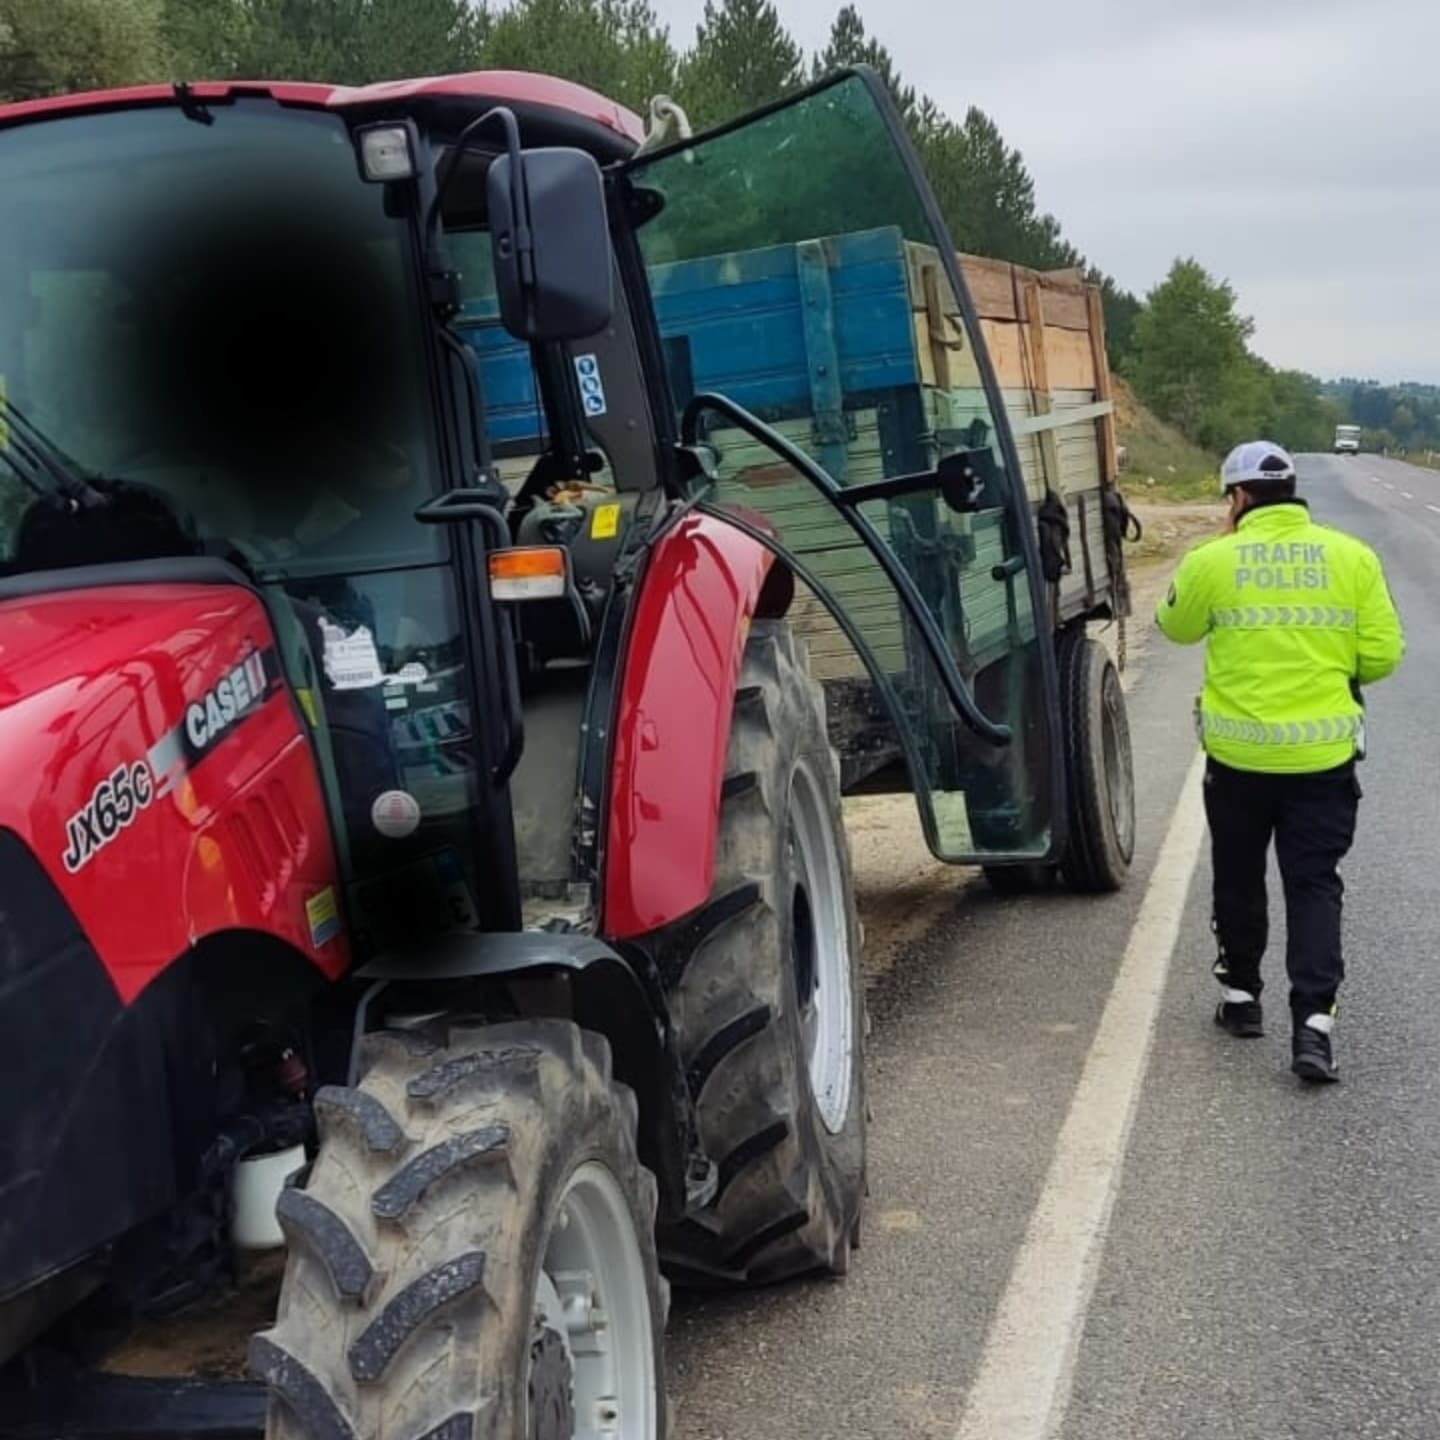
x=215, y=308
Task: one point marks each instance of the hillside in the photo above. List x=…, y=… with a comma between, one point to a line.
x=1160, y=463
x=1171, y=485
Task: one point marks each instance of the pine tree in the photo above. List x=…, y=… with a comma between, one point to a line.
x=50, y=46
x=743, y=57
x=350, y=42
x=850, y=44
x=1191, y=365
x=617, y=47
x=986, y=193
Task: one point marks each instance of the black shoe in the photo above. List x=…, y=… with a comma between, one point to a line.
x=1242, y=1018
x=1313, y=1060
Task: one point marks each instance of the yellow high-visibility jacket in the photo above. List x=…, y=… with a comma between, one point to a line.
x=1294, y=614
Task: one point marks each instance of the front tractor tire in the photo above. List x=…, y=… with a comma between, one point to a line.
x=472, y=1256
x=766, y=995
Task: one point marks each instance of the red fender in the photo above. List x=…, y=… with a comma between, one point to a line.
x=700, y=589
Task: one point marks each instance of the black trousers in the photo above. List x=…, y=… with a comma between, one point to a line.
x=1312, y=821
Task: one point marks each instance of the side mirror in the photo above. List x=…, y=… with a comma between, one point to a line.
x=551, y=242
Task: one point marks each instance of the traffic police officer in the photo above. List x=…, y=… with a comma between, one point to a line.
x=1296, y=617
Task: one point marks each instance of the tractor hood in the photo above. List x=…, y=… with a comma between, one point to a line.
x=69, y=660
x=98, y=678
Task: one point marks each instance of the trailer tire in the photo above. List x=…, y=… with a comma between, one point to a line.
x=472, y=1255
x=766, y=995
x=1099, y=775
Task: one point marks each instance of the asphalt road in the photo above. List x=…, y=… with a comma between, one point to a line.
x=1159, y=1234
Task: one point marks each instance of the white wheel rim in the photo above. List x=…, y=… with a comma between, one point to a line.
x=821, y=925
x=592, y=1292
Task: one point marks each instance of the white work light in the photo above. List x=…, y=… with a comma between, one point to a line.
x=386, y=153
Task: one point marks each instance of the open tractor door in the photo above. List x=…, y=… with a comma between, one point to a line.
x=420, y=829
x=839, y=404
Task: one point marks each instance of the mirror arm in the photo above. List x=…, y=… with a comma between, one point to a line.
x=434, y=221
x=462, y=355
x=472, y=504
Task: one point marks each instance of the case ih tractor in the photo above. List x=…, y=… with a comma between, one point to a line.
x=420, y=829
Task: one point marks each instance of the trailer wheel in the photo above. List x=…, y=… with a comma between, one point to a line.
x=766, y=995
x=1099, y=775
x=472, y=1256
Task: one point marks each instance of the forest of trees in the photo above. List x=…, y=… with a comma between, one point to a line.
x=740, y=56
x=1394, y=417
x=1190, y=362
x=1185, y=347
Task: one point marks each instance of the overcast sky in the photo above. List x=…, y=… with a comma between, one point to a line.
x=1291, y=146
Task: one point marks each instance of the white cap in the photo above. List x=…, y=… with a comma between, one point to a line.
x=1255, y=460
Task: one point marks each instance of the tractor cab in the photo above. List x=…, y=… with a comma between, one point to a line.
x=227, y=313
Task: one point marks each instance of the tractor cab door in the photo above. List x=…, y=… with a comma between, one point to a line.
x=836, y=401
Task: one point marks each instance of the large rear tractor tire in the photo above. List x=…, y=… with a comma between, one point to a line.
x=1099, y=774
x=766, y=993
x=472, y=1256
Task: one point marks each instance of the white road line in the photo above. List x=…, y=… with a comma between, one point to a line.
x=1435, y=508
x=1388, y=485
x=1374, y=479
x=1406, y=495
x=1027, y=1368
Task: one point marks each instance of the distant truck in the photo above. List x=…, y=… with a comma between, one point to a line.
x=1347, y=439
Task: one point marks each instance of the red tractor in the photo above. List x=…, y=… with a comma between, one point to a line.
x=420, y=829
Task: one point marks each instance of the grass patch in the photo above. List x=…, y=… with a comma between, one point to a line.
x=1160, y=463
x=1428, y=459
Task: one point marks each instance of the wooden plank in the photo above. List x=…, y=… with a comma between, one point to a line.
x=1105, y=427
x=1039, y=382
x=943, y=349
x=1060, y=419
x=993, y=284
x=1002, y=340
x=941, y=345
x=1068, y=351
x=1072, y=366
x=1064, y=399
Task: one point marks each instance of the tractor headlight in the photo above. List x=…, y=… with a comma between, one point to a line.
x=387, y=152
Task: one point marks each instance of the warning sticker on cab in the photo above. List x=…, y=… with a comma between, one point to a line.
x=323, y=915
x=606, y=522
x=592, y=387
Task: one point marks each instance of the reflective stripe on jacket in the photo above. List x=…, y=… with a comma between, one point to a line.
x=1295, y=615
